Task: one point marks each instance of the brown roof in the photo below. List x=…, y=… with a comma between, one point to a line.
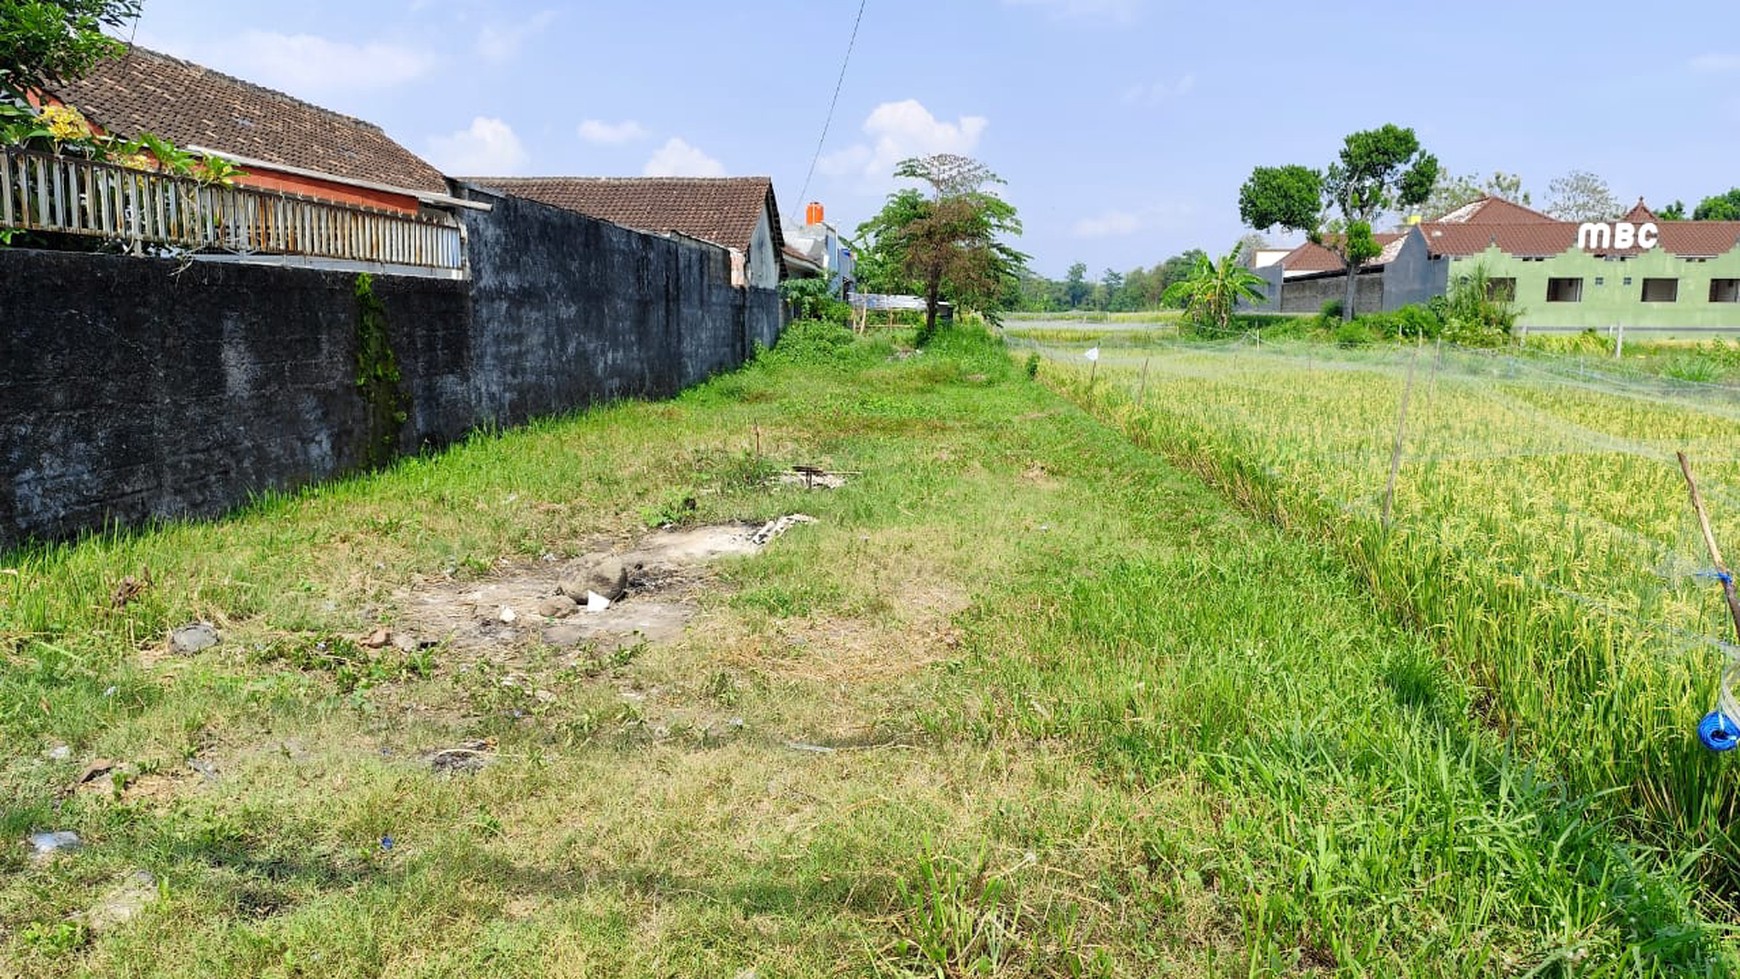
x=722, y=210
x=1640, y=214
x=1494, y=210
x=1312, y=257
x=143, y=91
x=1684, y=238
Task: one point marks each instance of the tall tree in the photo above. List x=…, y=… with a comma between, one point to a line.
x=1452, y=192
x=1673, y=212
x=1075, y=286
x=1378, y=170
x=949, y=243
x=46, y=41
x=1582, y=196
x=1722, y=207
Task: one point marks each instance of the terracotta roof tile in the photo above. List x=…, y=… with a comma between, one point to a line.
x=1311, y=257
x=1685, y=238
x=722, y=210
x=143, y=91
x=1494, y=210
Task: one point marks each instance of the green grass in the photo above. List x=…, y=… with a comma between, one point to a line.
x=1085, y=717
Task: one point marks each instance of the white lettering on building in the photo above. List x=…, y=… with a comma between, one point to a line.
x=1624, y=235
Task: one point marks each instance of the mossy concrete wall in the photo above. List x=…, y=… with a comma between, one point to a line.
x=134, y=388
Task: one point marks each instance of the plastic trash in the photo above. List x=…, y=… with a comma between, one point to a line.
x=49, y=844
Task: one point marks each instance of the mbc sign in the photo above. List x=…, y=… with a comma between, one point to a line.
x=1622, y=236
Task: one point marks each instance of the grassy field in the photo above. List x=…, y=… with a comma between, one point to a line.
x=1025, y=701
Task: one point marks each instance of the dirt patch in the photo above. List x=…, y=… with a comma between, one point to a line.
x=666, y=572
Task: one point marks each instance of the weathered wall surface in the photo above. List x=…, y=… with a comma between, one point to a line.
x=1309, y=295
x=131, y=390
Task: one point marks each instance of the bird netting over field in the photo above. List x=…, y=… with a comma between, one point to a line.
x=1535, y=518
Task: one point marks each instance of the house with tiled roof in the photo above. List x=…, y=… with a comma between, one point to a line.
x=1638, y=273
x=282, y=143
x=739, y=214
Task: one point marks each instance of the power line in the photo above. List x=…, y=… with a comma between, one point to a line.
x=805, y=193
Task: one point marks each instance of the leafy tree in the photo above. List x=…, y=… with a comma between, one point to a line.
x=1452, y=192
x=1377, y=171
x=949, y=244
x=1250, y=245
x=1075, y=285
x=1722, y=207
x=46, y=41
x=1582, y=196
x=1215, y=288
x=881, y=265
x=1673, y=212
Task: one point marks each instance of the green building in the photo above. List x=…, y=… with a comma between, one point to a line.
x=1638, y=274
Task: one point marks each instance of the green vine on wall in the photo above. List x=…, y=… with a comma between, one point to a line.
x=377, y=376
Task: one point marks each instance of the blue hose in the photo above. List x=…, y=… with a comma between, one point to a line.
x=1719, y=732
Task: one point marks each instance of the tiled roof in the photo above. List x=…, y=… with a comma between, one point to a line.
x=1685, y=238
x=143, y=91
x=1494, y=210
x=722, y=210
x=1640, y=214
x=1312, y=257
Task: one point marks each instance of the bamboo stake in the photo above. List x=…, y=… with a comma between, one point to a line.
x=1142, y=389
x=1727, y=577
x=1401, y=431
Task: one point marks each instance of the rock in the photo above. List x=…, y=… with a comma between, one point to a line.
x=95, y=770
x=59, y=752
x=467, y=757
x=49, y=844
x=122, y=903
x=205, y=768
x=607, y=577
x=558, y=607
x=194, y=638
x=508, y=615
x=378, y=639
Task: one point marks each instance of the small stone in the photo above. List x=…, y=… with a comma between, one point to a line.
x=194, y=638
x=607, y=577
x=378, y=639
x=508, y=615
x=544, y=696
x=95, y=770
x=205, y=768
x=558, y=607
x=59, y=752
x=49, y=844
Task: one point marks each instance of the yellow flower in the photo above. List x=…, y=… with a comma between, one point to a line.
x=65, y=123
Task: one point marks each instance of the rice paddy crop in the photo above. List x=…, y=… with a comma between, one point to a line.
x=1540, y=531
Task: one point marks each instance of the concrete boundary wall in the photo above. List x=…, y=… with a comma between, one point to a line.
x=134, y=388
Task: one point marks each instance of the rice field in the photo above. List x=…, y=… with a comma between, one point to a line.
x=1539, y=529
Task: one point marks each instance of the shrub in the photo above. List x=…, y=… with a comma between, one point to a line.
x=811, y=299
x=1354, y=333
x=1472, y=315
x=1406, y=323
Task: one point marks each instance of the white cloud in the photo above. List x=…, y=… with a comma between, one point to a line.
x=899, y=130
x=501, y=44
x=1110, y=224
x=1715, y=63
x=310, y=66
x=488, y=149
x=678, y=159
x=1120, y=11
x=611, y=133
x=1160, y=92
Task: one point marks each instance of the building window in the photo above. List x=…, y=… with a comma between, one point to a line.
x=1600, y=280
x=1564, y=290
x=1725, y=290
x=1628, y=280
x=1501, y=290
x=1661, y=290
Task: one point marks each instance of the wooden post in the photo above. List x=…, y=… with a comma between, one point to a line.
x=1142, y=389
x=1727, y=577
x=1401, y=430
x=1619, y=341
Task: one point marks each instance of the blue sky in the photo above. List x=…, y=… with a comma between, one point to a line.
x=1123, y=127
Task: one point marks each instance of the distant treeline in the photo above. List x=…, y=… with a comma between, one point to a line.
x=1114, y=291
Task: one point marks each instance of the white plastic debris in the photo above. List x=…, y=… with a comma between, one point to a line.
x=508, y=614
x=596, y=602
x=49, y=844
x=1093, y=354
x=773, y=528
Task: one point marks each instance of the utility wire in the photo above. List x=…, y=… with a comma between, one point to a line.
x=805, y=193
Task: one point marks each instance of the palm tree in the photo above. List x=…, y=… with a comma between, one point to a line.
x=1215, y=288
